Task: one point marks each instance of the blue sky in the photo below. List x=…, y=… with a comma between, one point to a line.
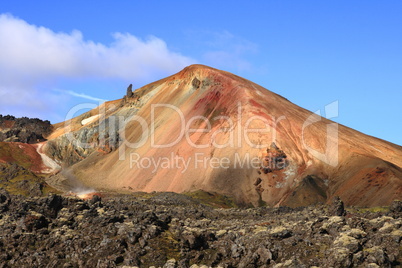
x=57, y=54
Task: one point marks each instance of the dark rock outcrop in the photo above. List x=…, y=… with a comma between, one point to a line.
x=24, y=129
x=19, y=180
x=396, y=206
x=337, y=207
x=130, y=91
x=4, y=200
x=276, y=159
x=196, y=83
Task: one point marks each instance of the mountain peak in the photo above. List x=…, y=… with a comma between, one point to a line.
x=207, y=129
x=205, y=71
x=197, y=67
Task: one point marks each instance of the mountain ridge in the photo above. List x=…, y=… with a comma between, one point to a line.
x=216, y=107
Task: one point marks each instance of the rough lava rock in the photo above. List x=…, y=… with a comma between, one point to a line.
x=172, y=230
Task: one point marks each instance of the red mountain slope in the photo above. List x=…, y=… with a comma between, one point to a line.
x=208, y=129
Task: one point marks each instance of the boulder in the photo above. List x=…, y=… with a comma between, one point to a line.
x=337, y=207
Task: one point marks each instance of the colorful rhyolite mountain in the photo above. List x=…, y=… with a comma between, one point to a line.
x=206, y=129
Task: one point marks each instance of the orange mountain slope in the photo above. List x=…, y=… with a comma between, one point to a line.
x=206, y=129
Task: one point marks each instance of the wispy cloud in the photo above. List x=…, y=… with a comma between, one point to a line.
x=80, y=95
x=223, y=49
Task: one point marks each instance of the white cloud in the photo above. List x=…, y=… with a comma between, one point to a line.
x=31, y=56
x=34, y=52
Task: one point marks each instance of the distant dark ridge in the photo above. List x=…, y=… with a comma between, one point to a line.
x=24, y=129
